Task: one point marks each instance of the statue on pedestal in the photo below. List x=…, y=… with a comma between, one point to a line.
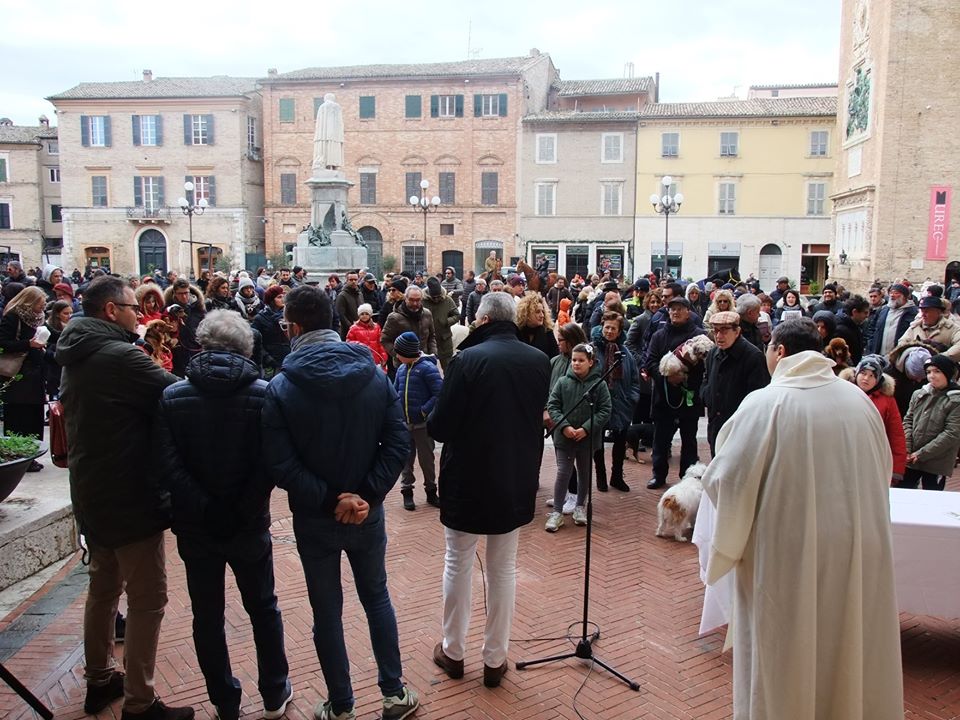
x=328, y=135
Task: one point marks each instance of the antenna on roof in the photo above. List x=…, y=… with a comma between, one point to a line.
x=472, y=52
x=628, y=70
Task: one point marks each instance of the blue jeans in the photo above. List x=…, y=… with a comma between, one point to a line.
x=250, y=556
x=320, y=542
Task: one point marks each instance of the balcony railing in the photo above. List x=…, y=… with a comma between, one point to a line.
x=149, y=215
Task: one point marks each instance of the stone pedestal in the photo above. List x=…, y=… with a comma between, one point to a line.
x=328, y=190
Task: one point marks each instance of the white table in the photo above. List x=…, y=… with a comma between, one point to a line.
x=926, y=556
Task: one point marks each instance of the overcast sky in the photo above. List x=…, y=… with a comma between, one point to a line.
x=703, y=49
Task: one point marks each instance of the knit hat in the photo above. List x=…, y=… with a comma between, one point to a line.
x=875, y=364
x=944, y=364
x=515, y=280
x=270, y=294
x=912, y=363
x=399, y=283
x=245, y=282
x=931, y=301
x=64, y=288
x=901, y=288
x=433, y=287
x=642, y=284
x=365, y=308
x=407, y=345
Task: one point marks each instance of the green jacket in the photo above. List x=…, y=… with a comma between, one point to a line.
x=445, y=316
x=567, y=393
x=932, y=429
x=110, y=392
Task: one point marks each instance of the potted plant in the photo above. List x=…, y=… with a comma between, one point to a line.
x=16, y=451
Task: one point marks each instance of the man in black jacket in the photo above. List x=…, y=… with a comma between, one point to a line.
x=479, y=499
x=221, y=507
x=674, y=404
x=337, y=464
x=117, y=499
x=734, y=369
x=850, y=325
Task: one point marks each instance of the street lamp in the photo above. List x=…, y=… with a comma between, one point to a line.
x=425, y=204
x=666, y=205
x=190, y=208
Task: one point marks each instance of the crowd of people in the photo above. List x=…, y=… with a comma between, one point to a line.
x=280, y=363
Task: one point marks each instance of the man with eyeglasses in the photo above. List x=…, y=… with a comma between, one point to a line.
x=117, y=498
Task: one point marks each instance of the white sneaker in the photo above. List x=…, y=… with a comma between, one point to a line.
x=324, y=711
x=579, y=515
x=549, y=502
x=554, y=522
x=569, y=503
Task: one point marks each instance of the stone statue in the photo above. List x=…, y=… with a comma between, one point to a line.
x=328, y=135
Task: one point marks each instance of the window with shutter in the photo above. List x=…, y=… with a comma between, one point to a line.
x=158, y=120
x=502, y=105
x=135, y=121
x=729, y=144
x=368, y=107
x=107, y=134
x=448, y=182
x=489, y=182
x=612, y=148
x=148, y=129
x=252, y=150
x=85, y=130
x=4, y=216
x=816, y=194
x=546, y=198
x=97, y=133
x=434, y=106
x=137, y=191
x=670, y=144
x=818, y=143
x=458, y=106
x=98, y=191
x=489, y=105
x=368, y=188
x=412, y=106
x=3, y=169
x=546, y=148
x=447, y=106
x=611, y=197
x=412, y=185
x=201, y=129
x=188, y=129
x=288, y=189
x=728, y=196
x=287, y=110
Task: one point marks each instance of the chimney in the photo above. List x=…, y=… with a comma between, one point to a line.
x=656, y=88
x=147, y=75
x=272, y=72
x=44, y=121
x=534, y=52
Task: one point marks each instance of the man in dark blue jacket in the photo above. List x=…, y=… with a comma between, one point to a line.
x=337, y=463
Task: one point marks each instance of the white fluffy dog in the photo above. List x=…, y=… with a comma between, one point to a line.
x=688, y=355
x=677, y=510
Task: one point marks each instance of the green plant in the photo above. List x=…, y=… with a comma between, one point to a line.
x=277, y=260
x=224, y=262
x=16, y=447
x=814, y=287
x=389, y=263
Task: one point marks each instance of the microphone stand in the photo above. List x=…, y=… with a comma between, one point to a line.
x=584, y=649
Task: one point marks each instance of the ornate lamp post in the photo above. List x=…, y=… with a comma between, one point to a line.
x=666, y=205
x=424, y=204
x=190, y=208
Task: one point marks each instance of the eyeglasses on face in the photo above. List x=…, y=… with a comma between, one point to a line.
x=284, y=325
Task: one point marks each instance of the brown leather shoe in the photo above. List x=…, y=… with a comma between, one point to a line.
x=453, y=668
x=493, y=676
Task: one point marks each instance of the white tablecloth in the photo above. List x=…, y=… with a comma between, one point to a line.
x=926, y=556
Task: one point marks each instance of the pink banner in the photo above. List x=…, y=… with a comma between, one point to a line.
x=939, y=228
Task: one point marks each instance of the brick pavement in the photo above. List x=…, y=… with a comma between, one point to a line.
x=646, y=597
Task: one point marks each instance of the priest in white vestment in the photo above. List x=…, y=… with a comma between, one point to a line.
x=801, y=485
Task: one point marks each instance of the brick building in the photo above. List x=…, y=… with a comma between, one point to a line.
x=455, y=125
x=30, y=227
x=128, y=148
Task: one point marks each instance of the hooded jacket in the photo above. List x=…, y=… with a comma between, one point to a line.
x=368, y=335
x=44, y=282
x=141, y=295
x=418, y=386
x=276, y=344
x=445, y=316
x=332, y=423
x=187, y=345
x=564, y=398
x=110, y=390
x=932, y=429
x=625, y=392
x=883, y=400
x=222, y=390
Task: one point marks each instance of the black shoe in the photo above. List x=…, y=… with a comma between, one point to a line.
x=493, y=676
x=159, y=711
x=408, y=503
x=655, y=484
x=619, y=484
x=602, y=484
x=99, y=697
x=231, y=713
x=119, y=628
x=432, y=499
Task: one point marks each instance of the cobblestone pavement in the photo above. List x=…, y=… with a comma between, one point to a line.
x=646, y=597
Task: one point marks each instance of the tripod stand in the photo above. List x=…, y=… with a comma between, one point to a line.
x=584, y=649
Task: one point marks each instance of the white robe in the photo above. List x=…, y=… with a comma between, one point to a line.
x=800, y=482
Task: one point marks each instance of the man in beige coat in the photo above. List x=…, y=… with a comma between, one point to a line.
x=803, y=519
x=935, y=325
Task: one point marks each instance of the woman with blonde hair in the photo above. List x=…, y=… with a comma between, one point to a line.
x=24, y=397
x=722, y=302
x=535, y=324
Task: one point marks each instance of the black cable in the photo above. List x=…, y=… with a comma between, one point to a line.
x=580, y=689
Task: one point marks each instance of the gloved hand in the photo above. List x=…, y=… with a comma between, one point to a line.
x=222, y=519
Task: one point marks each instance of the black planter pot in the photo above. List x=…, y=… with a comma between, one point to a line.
x=12, y=472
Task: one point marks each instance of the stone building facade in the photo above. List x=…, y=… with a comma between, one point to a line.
x=455, y=125
x=30, y=206
x=894, y=210
x=127, y=149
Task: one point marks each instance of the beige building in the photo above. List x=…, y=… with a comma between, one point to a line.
x=30, y=206
x=894, y=210
x=455, y=125
x=127, y=151
x=756, y=176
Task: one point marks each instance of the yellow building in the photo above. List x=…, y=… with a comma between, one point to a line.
x=756, y=179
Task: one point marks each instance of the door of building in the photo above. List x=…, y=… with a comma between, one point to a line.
x=374, y=241
x=153, y=251
x=771, y=266
x=454, y=259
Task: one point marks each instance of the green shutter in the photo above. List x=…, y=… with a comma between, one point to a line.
x=477, y=105
x=412, y=106
x=135, y=119
x=503, y=105
x=368, y=107
x=212, y=191
x=209, y=129
x=3, y=169
x=458, y=105
x=137, y=191
x=188, y=129
x=287, y=110
x=159, y=129
x=434, y=106
x=160, y=198
x=107, y=134
x=317, y=102
x=85, y=130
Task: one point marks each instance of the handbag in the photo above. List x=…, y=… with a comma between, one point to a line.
x=12, y=362
x=58, y=435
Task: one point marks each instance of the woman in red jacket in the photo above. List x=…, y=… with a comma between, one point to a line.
x=366, y=332
x=879, y=387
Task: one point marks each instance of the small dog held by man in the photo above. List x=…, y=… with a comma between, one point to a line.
x=677, y=510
